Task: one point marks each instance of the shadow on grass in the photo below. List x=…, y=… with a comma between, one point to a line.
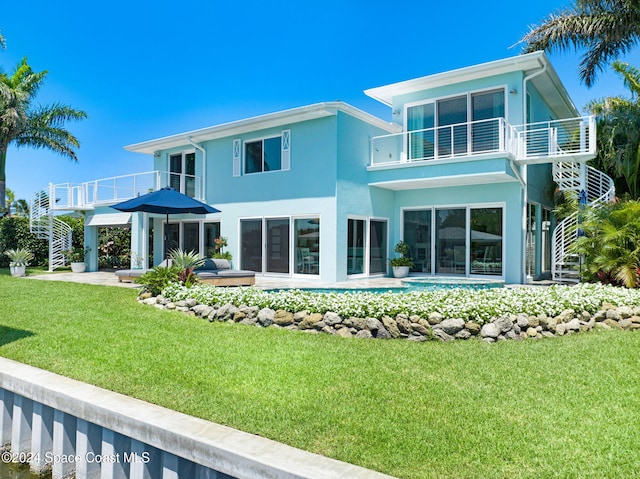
x=9, y=335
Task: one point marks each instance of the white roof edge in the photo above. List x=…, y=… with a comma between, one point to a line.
x=386, y=93
x=269, y=120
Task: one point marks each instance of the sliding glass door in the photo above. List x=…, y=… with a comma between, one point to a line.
x=272, y=246
x=451, y=241
x=461, y=240
x=277, y=245
x=251, y=245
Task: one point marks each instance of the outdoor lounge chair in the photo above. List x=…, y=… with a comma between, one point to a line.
x=217, y=272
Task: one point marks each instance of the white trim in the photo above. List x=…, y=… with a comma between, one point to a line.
x=291, y=218
x=366, y=273
x=468, y=207
x=262, y=122
x=255, y=140
x=109, y=219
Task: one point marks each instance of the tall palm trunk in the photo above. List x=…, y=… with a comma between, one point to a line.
x=3, y=178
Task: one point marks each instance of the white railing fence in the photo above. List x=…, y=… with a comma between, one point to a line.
x=557, y=138
x=534, y=141
x=112, y=190
x=600, y=190
x=45, y=225
x=461, y=139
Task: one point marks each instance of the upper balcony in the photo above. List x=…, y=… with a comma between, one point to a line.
x=572, y=139
x=108, y=191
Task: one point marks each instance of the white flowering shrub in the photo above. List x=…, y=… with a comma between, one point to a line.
x=479, y=306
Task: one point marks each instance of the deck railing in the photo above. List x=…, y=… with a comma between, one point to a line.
x=533, y=141
x=556, y=138
x=107, y=191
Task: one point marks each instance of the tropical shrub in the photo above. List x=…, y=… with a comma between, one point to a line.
x=159, y=278
x=610, y=243
x=19, y=257
x=187, y=262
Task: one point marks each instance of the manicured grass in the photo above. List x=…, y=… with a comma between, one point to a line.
x=563, y=407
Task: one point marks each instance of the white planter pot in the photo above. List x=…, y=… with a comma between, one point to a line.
x=78, y=267
x=400, y=271
x=18, y=270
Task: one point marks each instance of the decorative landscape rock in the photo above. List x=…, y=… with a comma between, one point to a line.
x=412, y=328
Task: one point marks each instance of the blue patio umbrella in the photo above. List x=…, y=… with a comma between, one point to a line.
x=165, y=201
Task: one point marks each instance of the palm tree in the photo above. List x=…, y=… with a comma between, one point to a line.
x=618, y=133
x=610, y=243
x=20, y=206
x=606, y=28
x=11, y=198
x=23, y=124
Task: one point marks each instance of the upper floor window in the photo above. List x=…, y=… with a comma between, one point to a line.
x=266, y=154
x=182, y=173
x=455, y=125
x=263, y=155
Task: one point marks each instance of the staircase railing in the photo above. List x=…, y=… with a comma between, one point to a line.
x=46, y=226
x=599, y=189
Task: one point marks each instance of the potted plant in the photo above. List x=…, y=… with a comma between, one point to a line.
x=219, y=243
x=402, y=264
x=18, y=260
x=75, y=256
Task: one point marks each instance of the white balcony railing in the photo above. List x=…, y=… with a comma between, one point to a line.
x=534, y=141
x=107, y=191
x=556, y=138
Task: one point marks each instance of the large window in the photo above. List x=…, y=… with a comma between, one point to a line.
x=451, y=241
x=277, y=245
x=186, y=236
x=366, y=246
x=182, y=173
x=355, y=246
x=271, y=245
x=263, y=155
x=377, y=247
x=307, y=245
x=251, y=245
x=486, y=241
x=456, y=126
x=458, y=241
x=417, y=234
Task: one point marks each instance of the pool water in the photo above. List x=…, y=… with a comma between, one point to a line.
x=441, y=282
x=417, y=284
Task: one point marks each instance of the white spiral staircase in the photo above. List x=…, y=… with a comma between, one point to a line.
x=599, y=189
x=46, y=226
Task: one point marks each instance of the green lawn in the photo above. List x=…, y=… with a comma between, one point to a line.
x=565, y=407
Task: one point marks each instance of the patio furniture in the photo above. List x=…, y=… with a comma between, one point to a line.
x=218, y=272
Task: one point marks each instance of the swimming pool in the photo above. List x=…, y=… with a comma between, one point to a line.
x=431, y=283
x=442, y=282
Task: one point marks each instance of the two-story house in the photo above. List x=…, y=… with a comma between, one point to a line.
x=465, y=173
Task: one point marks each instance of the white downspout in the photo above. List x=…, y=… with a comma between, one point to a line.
x=525, y=278
x=204, y=167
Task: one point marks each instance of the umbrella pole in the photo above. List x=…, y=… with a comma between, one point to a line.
x=166, y=237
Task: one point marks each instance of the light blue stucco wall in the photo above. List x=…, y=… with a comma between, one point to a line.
x=354, y=196
x=308, y=188
x=506, y=195
x=509, y=81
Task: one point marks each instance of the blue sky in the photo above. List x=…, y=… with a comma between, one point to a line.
x=147, y=69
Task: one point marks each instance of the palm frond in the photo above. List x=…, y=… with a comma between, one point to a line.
x=605, y=28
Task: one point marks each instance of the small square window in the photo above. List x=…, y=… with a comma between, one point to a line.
x=263, y=155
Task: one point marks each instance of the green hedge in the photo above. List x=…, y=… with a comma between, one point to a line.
x=15, y=233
